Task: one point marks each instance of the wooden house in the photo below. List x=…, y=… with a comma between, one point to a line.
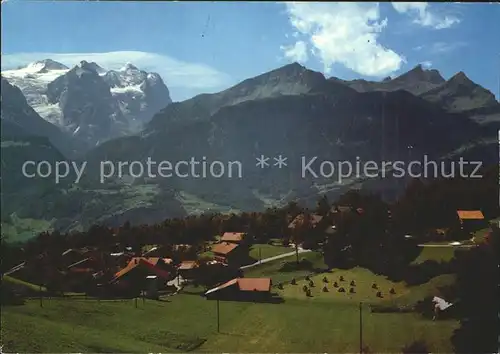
x=187, y=269
x=471, y=220
x=134, y=275
x=245, y=289
x=230, y=253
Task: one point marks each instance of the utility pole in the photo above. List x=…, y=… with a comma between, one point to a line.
x=218, y=317
x=260, y=254
x=360, y=328
x=41, y=296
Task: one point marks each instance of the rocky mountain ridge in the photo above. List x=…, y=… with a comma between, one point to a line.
x=89, y=102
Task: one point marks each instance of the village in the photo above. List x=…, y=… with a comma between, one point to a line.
x=278, y=257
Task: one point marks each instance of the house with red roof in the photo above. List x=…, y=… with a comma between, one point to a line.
x=242, y=289
x=230, y=253
x=187, y=269
x=471, y=220
x=235, y=237
x=135, y=275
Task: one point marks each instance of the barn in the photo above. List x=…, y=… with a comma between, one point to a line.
x=242, y=289
x=471, y=220
x=134, y=277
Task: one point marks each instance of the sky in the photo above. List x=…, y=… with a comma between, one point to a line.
x=205, y=47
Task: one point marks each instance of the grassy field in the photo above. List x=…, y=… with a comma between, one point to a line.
x=188, y=323
x=267, y=251
x=364, y=292
x=363, y=287
x=309, y=326
x=438, y=254
x=274, y=269
x=324, y=322
x=445, y=254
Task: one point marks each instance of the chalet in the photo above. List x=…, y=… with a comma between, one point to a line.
x=230, y=253
x=187, y=269
x=134, y=275
x=471, y=220
x=234, y=237
x=242, y=289
x=162, y=263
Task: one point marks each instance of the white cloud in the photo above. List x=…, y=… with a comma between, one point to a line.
x=423, y=16
x=184, y=79
x=296, y=52
x=347, y=34
x=427, y=64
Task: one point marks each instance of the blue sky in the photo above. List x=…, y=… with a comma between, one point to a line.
x=208, y=46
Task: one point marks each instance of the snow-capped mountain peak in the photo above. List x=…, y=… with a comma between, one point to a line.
x=129, y=67
x=154, y=77
x=127, y=98
x=43, y=66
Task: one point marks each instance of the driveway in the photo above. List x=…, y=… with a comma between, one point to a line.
x=446, y=245
x=265, y=260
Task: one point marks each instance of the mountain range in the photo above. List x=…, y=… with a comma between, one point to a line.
x=89, y=103
x=291, y=111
